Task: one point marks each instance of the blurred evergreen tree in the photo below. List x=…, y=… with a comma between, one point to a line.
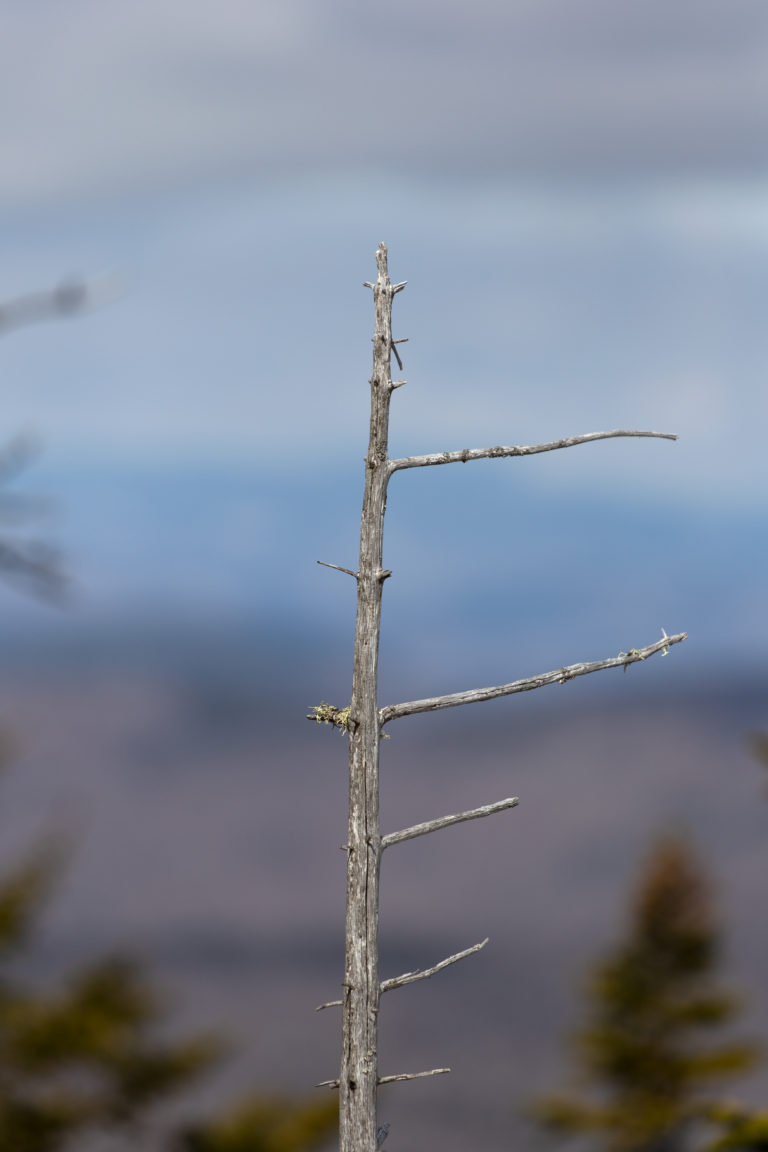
x=266, y=1124
x=653, y=1004
x=85, y=1057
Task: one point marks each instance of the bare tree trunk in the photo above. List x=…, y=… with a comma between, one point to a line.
x=359, y=1059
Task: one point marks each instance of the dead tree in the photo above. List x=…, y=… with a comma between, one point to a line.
x=363, y=722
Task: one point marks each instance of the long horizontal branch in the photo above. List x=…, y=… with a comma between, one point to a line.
x=464, y=455
x=446, y=821
x=560, y=676
x=412, y=977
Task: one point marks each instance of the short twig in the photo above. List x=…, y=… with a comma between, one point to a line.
x=329, y=1004
x=419, y=974
x=338, y=568
x=446, y=821
x=412, y=1075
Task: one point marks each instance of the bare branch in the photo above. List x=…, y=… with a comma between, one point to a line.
x=412, y=1075
x=338, y=568
x=391, y=1079
x=560, y=676
x=329, y=1004
x=446, y=821
x=64, y=300
x=35, y=565
x=466, y=454
x=412, y=977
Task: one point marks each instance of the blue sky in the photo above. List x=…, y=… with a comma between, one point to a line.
x=577, y=194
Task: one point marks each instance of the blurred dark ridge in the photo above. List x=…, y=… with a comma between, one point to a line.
x=283, y=661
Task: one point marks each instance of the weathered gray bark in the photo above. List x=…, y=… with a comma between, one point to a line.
x=363, y=723
x=359, y=1056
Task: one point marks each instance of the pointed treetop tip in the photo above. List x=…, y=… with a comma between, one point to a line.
x=381, y=261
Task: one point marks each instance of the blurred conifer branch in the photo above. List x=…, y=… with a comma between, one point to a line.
x=36, y=566
x=66, y=299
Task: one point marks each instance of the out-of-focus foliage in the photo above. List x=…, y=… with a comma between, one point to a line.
x=266, y=1124
x=740, y=1129
x=651, y=1051
x=86, y=1056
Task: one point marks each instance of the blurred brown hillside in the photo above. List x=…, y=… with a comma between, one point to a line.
x=207, y=819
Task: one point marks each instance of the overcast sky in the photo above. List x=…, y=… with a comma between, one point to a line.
x=112, y=98
x=575, y=190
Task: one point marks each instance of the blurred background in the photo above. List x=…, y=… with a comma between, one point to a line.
x=577, y=195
